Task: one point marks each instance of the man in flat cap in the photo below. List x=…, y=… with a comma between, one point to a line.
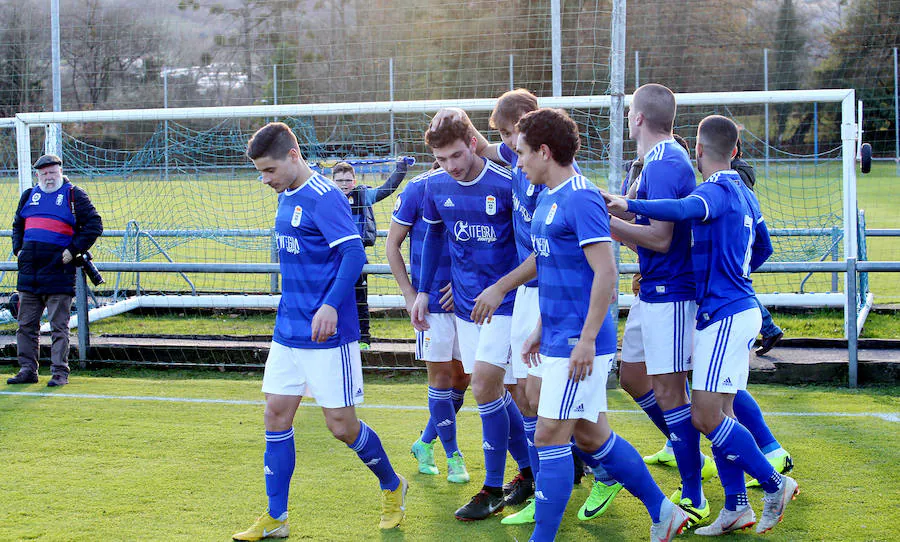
x=54, y=222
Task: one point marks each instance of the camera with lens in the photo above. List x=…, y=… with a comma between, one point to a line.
x=84, y=262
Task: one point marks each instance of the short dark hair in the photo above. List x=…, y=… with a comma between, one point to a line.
x=554, y=128
x=511, y=106
x=449, y=131
x=657, y=104
x=342, y=167
x=718, y=135
x=274, y=140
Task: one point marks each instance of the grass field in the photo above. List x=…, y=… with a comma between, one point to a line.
x=95, y=462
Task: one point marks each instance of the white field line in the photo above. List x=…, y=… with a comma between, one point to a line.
x=893, y=417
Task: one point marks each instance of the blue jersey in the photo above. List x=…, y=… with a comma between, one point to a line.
x=310, y=223
x=724, y=245
x=49, y=217
x=478, y=218
x=667, y=174
x=568, y=218
x=524, y=200
x=408, y=212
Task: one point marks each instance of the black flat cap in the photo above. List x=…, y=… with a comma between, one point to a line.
x=47, y=160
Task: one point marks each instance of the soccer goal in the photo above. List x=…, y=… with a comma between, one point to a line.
x=173, y=185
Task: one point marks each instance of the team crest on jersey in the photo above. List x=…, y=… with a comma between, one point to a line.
x=350, y=198
x=490, y=205
x=550, y=215
x=298, y=214
x=397, y=204
x=59, y=199
x=530, y=191
x=35, y=198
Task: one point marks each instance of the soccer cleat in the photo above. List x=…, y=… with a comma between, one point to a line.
x=696, y=516
x=775, y=503
x=265, y=527
x=424, y=454
x=729, y=521
x=767, y=343
x=709, y=470
x=782, y=464
x=518, y=490
x=482, y=506
x=456, y=469
x=24, y=377
x=667, y=528
x=662, y=457
x=364, y=346
x=393, y=505
x=524, y=516
x=598, y=501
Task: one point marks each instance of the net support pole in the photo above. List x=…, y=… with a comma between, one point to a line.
x=512, y=84
x=274, y=84
x=896, y=110
x=391, y=96
x=23, y=154
x=852, y=337
x=637, y=69
x=617, y=109
x=54, y=135
x=81, y=307
x=556, y=46
x=766, y=88
x=849, y=135
x=165, y=74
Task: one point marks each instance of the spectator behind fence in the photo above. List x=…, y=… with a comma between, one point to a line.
x=55, y=223
x=362, y=198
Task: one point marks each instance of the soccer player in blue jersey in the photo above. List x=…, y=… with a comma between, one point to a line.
x=512, y=106
x=471, y=199
x=314, y=349
x=730, y=240
x=438, y=346
x=666, y=301
x=575, y=338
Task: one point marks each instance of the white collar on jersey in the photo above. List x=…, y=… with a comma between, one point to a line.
x=657, y=146
x=487, y=164
x=562, y=184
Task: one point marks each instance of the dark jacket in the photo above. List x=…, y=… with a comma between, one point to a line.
x=745, y=170
x=362, y=198
x=41, y=270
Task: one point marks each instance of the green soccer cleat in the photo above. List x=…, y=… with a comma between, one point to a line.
x=364, y=346
x=598, y=501
x=524, y=516
x=424, y=454
x=709, y=469
x=782, y=462
x=265, y=527
x=456, y=469
x=696, y=516
x=663, y=457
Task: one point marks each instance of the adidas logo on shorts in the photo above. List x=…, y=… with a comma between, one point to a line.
x=727, y=382
x=359, y=392
x=579, y=408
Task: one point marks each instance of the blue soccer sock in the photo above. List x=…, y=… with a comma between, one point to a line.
x=553, y=488
x=648, y=403
x=441, y=407
x=619, y=458
x=733, y=439
x=518, y=444
x=747, y=411
x=370, y=451
x=732, y=478
x=686, y=446
x=458, y=397
x=430, y=432
x=530, y=425
x=495, y=440
x=279, y=462
x=600, y=474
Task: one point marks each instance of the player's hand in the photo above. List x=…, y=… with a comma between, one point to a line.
x=581, y=360
x=66, y=256
x=448, y=113
x=409, y=299
x=486, y=303
x=419, y=310
x=324, y=323
x=531, y=348
x=614, y=204
x=447, y=299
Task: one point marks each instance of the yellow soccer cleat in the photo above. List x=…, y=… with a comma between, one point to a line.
x=393, y=505
x=265, y=527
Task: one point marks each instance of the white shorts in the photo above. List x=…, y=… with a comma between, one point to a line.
x=331, y=376
x=564, y=399
x=439, y=343
x=722, y=352
x=526, y=312
x=665, y=333
x=632, y=343
x=488, y=342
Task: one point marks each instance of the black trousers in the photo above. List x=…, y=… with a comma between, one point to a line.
x=362, y=308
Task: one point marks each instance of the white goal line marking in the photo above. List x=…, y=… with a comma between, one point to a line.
x=886, y=416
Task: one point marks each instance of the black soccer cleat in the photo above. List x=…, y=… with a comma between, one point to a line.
x=767, y=343
x=518, y=490
x=483, y=505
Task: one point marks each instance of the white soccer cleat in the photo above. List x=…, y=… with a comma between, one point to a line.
x=775, y=503
x=729, y=521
